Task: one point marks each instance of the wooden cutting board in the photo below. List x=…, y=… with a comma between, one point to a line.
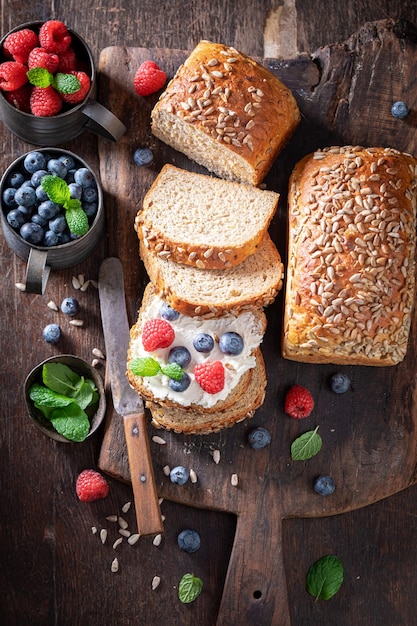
x=345, y=92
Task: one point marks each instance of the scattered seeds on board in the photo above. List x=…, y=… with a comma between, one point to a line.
x=122, y=523
x=159, y=440
x=117, y=542
x=124, y=532
x=84, y=286
x=95, y=362
x=216, y=456
x=94, y=529
x=77, y=322
x=157, y=540
x=166, y=470
x=234, y=480
x=52, y=305
x=103, y=535
x=126, y=507
x=160, y=500
x=115, y=565
x=20, y=286
x=75, y=282
x=111, y=518
x=193, y=476
x=155, y=582
x=133, y=539
x=98, y=353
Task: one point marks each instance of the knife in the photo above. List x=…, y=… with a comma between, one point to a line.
x=126, y=401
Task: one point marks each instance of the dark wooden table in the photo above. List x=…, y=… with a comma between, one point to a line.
x=53, y=569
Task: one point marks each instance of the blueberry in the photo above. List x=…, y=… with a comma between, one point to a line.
x=324, y=485
x=16, y=179
x=67, y=160
x=41, y=194
x=189, y=540
x=50, y=238
x=203, y=342
x=70, y=306
x=259, y=438
x=69, y=178
x=180, y=385
x=38, y=219
x=90, y=208
x=339, y=383
x=32, y=233
x=8, y=197
x=57, y=168
x=180, y=355
x=168, y=313
x=16, y=218
x=64, y=237
x=231, y=343
x=37, y=177
x=58, y=224
x=25, y=195
x=48, y=209
x=34, y=161
x=89, y=194
x=26, y=211
x=400, y=110
x=143, y=157
x=75, y=190
x=84, y=177
x=52, y=333
x=179, y=475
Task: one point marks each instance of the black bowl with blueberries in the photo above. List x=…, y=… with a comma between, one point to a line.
x=51, y=201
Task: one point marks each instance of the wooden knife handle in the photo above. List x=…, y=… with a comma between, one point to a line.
x=148, y=512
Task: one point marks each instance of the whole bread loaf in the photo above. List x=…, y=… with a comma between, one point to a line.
x=155, y=385
x=203, y=221
x=351, y=257
x=253, y=283
x=226, y=112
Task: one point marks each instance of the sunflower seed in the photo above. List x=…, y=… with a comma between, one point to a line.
x=98, y=353
x=193, y=476
x=155, y=582
x=234, y=480
x=77, y=323
x=20, y=286
x=51, y=304
x=103, y=535
x=111, y=518
x=166, y=469
x=157, y=540
x=115, y=565
x=94, y=529
x=133, y=539
x=124, y=532
x=126, y=507
x=75, y=282
x=216, y=456
x=122, y=523
x=159, y=440
x=117, y=542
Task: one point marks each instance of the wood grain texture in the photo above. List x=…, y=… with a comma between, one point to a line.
x=53, y=570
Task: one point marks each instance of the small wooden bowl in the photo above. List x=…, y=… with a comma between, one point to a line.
x=82, y=368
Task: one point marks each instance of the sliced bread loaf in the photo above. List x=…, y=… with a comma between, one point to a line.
x=226, y=112
x=203, y=221
x=192, y=291
x=180, y=420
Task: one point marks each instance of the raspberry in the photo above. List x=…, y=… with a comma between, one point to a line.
x=54, y=36
x=38, y=57
x=67, y=61
x=45, y=101
x=210, y=376
x=148, y=79
x=20, y=98
x=157, y=333
x=78, y=96
x=91, y=485
x=18, y=45
x=12, y=75
x=298, y=402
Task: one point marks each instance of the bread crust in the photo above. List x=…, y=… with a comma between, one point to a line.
x=226, y=100
x=351, y=257
x=256, y=206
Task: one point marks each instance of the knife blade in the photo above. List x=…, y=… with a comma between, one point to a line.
x=126, y=401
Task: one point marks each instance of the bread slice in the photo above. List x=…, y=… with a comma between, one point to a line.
x=192, y=291
x=203, y=221
x=226, y=112
x=251, y=325
x=180, y=420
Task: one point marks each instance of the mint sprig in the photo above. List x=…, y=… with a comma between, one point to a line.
x=63, y=83
x=306, y=446
x=147, y=366
x=325, y=577
x=58, y=191
x=189, y=588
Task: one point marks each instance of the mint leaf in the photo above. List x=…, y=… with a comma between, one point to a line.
x=40, y=77
x=71, y=422
x=325, y=577
x=60, y=378
x=66, y=83
x=189, y=588
x=145, y=366
x=43, y=396
x=77, y=221
x=56, y=189
x=84, y=395
x=173, y=370
x=306, y=446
